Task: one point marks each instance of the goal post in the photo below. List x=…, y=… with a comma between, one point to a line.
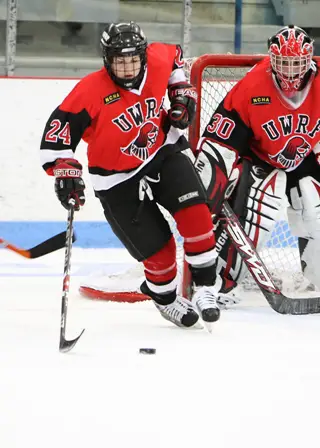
x=214, y=75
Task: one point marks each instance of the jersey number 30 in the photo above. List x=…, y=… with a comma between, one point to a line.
x=56, y=133
x=222, y=126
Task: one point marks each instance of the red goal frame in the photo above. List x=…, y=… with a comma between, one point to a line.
x=197, y=68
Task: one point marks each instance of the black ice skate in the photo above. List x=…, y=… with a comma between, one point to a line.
x=179, y=310
x=206, y=287
x=205, y=300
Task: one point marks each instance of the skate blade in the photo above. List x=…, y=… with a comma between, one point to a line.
x=208, y=326
x=198, y=325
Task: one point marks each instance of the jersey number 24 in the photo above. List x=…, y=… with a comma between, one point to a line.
x=58, y=132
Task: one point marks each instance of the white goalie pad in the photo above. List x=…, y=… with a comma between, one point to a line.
x=304, y=219
x=264, y=205
x=266, y=200
x=311, y=258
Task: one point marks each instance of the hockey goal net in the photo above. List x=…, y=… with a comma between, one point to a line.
x=214, y=76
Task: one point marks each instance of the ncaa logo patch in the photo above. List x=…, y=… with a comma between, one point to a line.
x=261, y=100
x=112, y=98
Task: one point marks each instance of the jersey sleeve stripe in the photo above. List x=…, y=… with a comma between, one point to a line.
x=50, y=155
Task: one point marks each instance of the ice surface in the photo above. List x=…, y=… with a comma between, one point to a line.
x=252, y=383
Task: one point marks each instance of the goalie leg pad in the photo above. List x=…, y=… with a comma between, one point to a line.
x=265, y=202
x=306, y=201
x=297, y=226
x=310, y=260
x=258, y=201
x=304, y=219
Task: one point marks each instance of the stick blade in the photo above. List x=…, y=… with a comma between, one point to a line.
x=294, y=306
x=51, y=245
x=65, y=346
x=17, y=250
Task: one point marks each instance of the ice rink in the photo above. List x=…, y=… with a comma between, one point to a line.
x=252, y=383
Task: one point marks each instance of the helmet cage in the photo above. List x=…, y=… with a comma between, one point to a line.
x=121, y=40
x=291, y=52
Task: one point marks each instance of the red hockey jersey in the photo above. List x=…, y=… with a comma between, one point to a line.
x=255, y=116
x=124, y=129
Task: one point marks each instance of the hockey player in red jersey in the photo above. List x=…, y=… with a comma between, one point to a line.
x=263, y=144
x=136, y=160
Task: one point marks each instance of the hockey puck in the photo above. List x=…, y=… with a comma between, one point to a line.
x=147, y=351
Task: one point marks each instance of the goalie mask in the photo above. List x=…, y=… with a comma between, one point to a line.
x=291, y=52
x=124, y=53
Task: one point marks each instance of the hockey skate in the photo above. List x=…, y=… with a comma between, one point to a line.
x=205, y=300
x=229, y=294
x=180, y=312
x=228, y=299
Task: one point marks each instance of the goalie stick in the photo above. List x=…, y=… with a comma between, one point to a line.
x=64, y=344
x=46, y=247
x=242, y=243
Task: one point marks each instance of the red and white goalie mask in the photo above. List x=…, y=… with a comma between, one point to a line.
x=291, y=52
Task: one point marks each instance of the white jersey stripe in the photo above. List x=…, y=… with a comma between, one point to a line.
x=49, y=155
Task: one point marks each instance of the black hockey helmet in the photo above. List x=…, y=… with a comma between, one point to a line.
x=124, y=39
x=291, y=52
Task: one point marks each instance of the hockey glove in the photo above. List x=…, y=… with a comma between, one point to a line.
x=183, y=99
x=68, y=183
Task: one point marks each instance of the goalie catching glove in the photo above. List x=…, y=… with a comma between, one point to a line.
x=183, y=99
x=69, y=183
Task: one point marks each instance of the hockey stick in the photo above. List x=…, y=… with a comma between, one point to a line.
x=244, y=246
x=46, y=247
x=64, y=344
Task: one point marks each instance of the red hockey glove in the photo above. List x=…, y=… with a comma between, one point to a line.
x=183, y=99
x=68, y=183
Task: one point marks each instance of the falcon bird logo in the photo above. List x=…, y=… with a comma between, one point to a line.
x=293, y=153
x=145, y=139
